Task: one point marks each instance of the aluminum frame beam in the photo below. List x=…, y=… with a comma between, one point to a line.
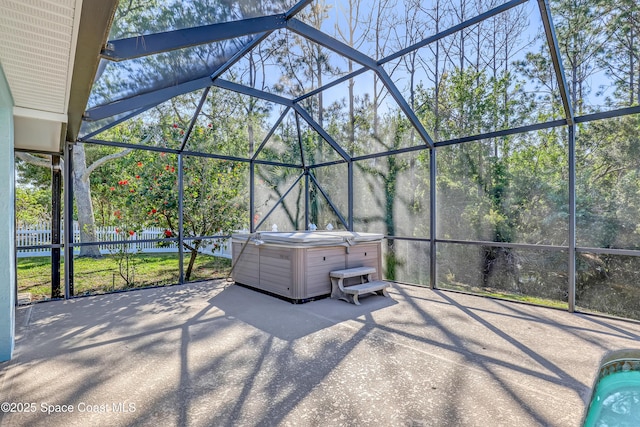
x=325, y=164
x=257, y=40
x=239, y=55
x=608, y=251
x=307, y=117
x=68, y=220
x=391, y=152
x=56, y=222
x=526, y=246
x=180, y=218
x=404, y=106
x=350, y=195
x=151, y=44
x=505, y=132
x=334, y=208
x=280, y=200
x=307, y=200
x=194, y=118
x=608, y=114
x=572, y=219
x=296, y=8
x=556, y=59
x=144, y=100
x=256, y=93
x=300, y=147
x=466, y=139
x=151, y=99
x=252, y=195
x=331, y=84
x=433, y=219
x=270, y=134
x=114, y=123
x=187, y=152
x=330, y=43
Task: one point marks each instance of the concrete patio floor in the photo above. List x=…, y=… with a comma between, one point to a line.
x=206, y=355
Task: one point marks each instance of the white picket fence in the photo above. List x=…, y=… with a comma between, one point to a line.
x=40, y=234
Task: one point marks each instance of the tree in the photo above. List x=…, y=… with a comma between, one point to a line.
x=620, y=56
x=578, y=24
x=144, y=193
x=82, y=194
x=33, y=206
x=484, y=188
x=81, y=190
x=350, y=35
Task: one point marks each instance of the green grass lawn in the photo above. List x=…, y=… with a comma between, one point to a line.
x=96, y=276
x=497, y=293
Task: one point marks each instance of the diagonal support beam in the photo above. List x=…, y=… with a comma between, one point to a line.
x=194, y=119
x=271, y=132
x=307, y=118
x=145, y=100
x=297, y=8
x=328, y=199
x=239, y=54
x=135, y=47
x=257, y=40
x=113, y=123
x=159, y=96
x=322, y=39
x=331, y=84
x=404, y=106
x=150, y=99
x=256, y=93
x=347, y=51
x=556, y=59
x=279, y=201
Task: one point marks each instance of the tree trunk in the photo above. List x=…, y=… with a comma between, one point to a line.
x=192, y=260
x=82, y=193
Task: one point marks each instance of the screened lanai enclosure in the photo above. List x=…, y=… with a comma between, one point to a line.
x=495, y=145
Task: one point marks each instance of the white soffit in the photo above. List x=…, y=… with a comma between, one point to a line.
x=37, y=49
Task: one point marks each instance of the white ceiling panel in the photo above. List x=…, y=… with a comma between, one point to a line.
x=37, y=43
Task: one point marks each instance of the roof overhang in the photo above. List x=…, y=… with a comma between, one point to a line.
x=49, y=52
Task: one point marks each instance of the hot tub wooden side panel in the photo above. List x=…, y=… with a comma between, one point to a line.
x=319, y=263
x=247, y=269
x=276, y=270
x=365, y=255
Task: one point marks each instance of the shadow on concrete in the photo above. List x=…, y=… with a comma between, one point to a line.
x=206, y=354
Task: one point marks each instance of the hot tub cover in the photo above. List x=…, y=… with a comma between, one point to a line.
x=312, y=237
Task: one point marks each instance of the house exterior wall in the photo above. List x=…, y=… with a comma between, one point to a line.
x=7, y=223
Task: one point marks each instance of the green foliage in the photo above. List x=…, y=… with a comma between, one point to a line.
x=30, y=175
x=125, y=257
x=608, y=183
x=140, y=190
x=33, y=206
x=508, y=189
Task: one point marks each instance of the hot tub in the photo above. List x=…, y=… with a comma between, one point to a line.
x=296, y=265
